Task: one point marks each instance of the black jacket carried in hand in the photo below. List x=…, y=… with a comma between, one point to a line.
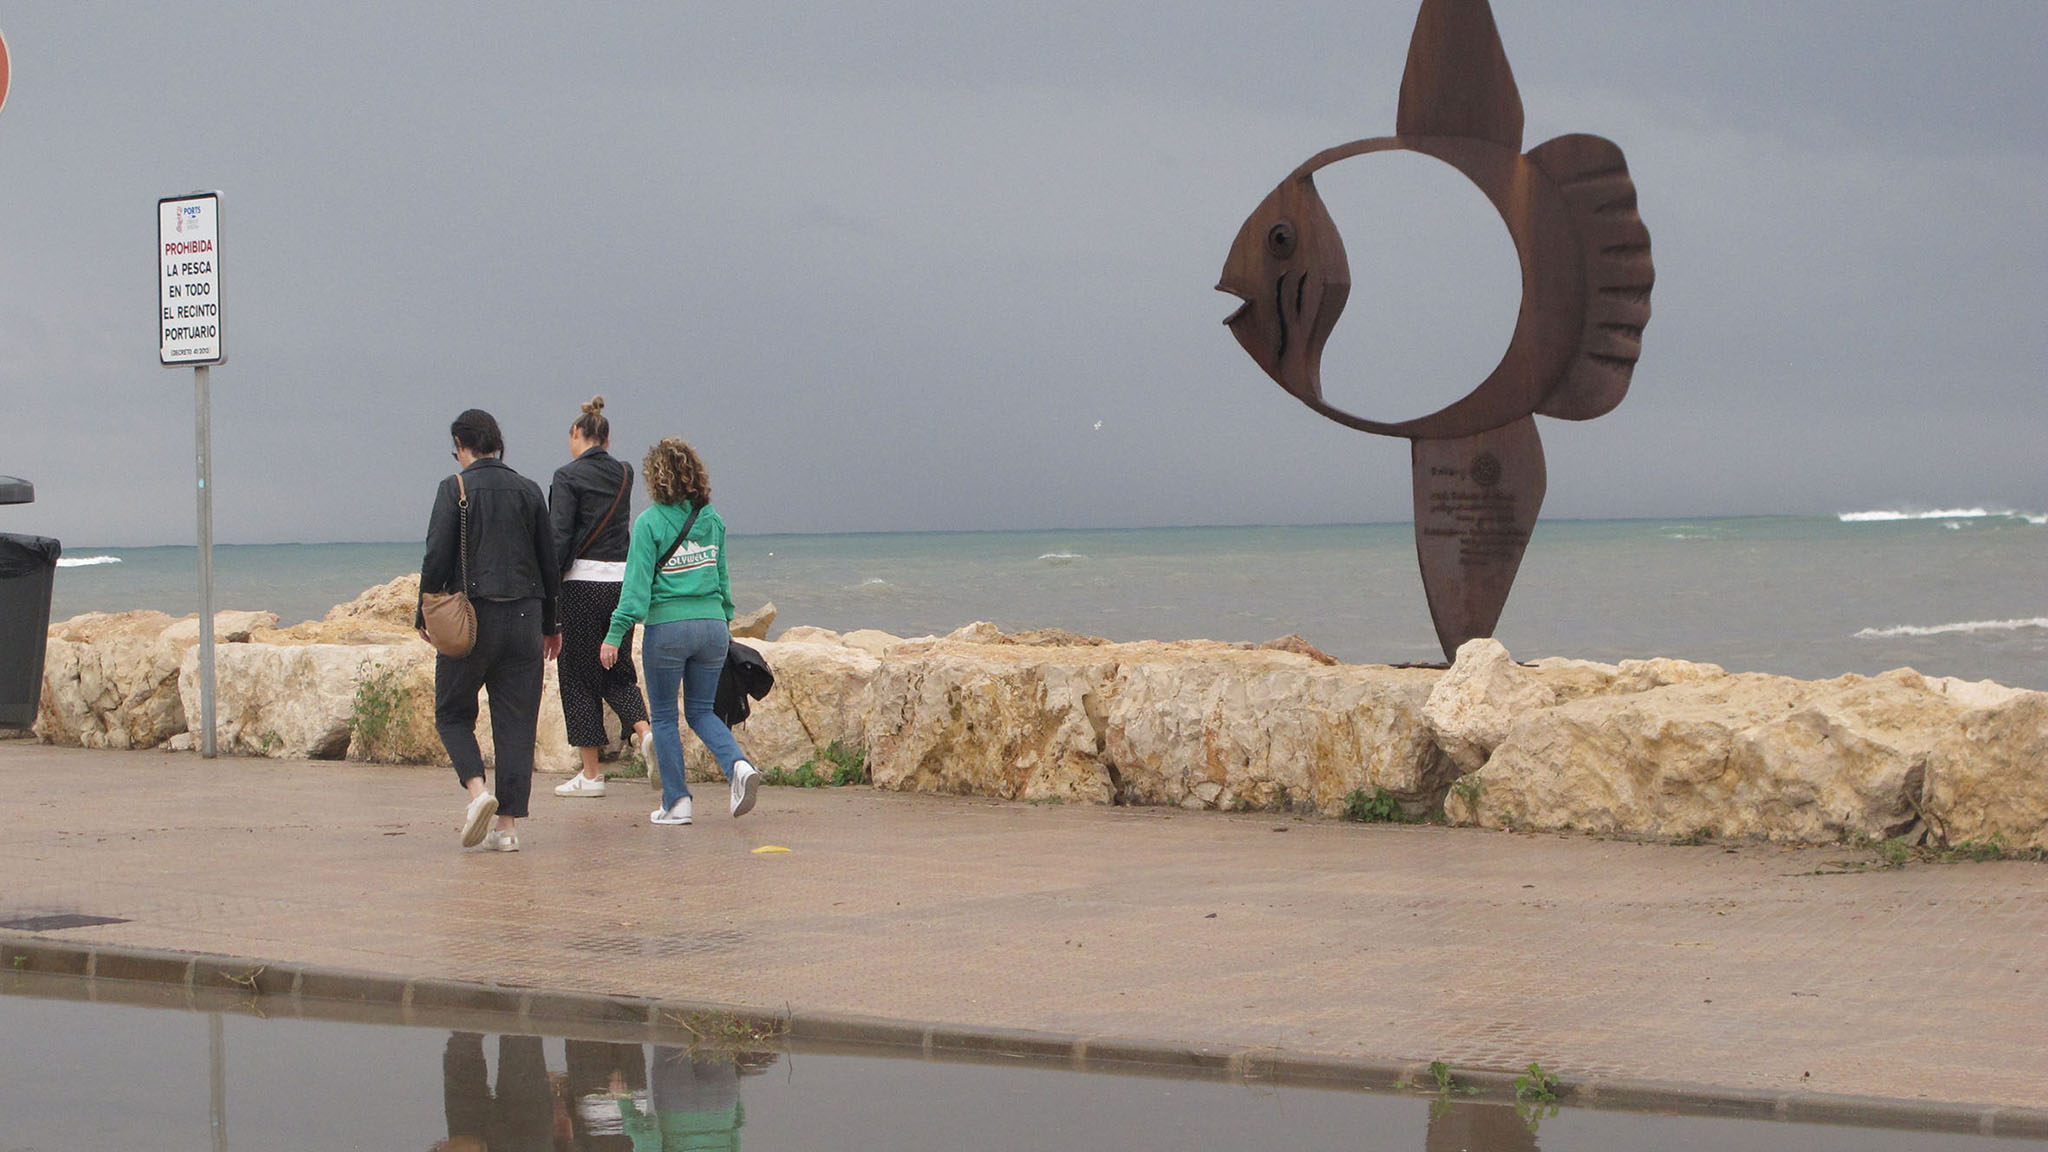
x=746, y=673
x=582, y=491
x=511, y=543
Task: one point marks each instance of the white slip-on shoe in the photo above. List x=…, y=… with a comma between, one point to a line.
x=498, y=840
x=476, y=819
x=581, y=785
x=680, y=814
x=746, y=785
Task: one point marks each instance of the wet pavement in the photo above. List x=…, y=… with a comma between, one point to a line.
x=1725, y=968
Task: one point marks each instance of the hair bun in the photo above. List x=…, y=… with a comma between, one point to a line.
x=595, y=406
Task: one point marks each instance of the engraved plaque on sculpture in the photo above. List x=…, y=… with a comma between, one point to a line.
x=1476, y=500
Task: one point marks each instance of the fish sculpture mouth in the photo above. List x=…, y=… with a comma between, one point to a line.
x=1244, y=305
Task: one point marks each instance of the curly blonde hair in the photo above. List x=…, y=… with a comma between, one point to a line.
x=675, y=475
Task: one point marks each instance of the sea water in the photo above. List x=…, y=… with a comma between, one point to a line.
x=1950, y=592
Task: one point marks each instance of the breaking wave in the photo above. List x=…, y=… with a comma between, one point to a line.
x=1061, y=557
x=85, y=561
x=1890, y=514
x=2040, y=622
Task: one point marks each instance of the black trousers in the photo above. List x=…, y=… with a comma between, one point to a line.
x=520, y=1115
x=508, y=661
x=587, y=686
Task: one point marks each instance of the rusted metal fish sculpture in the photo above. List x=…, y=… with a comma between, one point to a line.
x=1570, y=208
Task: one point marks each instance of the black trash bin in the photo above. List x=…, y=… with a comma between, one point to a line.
x=28, y=568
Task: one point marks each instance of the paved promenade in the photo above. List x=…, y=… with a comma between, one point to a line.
x=1747, y=968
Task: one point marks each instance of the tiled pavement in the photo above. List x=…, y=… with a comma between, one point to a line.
x=1749, y=967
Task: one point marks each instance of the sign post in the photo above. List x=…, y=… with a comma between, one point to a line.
x=188, y=293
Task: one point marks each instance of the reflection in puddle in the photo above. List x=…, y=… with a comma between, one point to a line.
x=608, y=1098
x=75, y=1073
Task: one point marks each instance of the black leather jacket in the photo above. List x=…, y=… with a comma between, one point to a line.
x=582, y=490
x=511, y=545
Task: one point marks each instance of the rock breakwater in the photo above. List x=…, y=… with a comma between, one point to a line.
x=1649, y=747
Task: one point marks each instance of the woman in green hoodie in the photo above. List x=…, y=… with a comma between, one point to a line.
x=677, y=585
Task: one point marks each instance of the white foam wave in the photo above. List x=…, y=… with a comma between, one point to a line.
x=2040, y=622
x=1885, y=515
x=1061, y=557
x=85, y=561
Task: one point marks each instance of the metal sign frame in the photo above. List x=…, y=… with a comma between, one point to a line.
x=193, y=331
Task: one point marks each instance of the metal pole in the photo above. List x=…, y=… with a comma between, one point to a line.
x=205, y=432
x=218, y=1067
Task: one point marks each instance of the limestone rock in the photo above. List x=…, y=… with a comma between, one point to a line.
x=1292, y=642
x=394, y=707
x=806, y=634
x=110, y=680
x=1741, y=755
x=1485, y=692
x=228, y=627
x=979, y=632
x=1050, y=638
x=872, y=641
x=381, y=615
x=94, y=627
x=1193, y=723
x=977, y=718
x=1214, y=727
x=754, y=625
x=1975, y=693
x=293, y=701
x=1986, y=777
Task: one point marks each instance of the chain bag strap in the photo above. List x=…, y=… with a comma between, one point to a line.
x=450, y=617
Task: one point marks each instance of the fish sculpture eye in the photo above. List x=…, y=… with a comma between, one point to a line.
x=1280, y=240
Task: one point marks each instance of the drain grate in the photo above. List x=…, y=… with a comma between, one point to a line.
x=62, y=920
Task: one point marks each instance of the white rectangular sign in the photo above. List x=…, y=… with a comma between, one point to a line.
x=188, y=279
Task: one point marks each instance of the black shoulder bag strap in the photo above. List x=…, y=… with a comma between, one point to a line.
x=680, y=537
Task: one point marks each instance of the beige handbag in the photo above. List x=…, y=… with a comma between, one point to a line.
x=450, y=617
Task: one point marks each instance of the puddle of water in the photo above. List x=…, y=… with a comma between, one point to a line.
x=76, y=1074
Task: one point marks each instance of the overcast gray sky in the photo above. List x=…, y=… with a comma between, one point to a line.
x=888, y=264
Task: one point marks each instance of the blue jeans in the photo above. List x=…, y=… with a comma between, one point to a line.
x=689, y=654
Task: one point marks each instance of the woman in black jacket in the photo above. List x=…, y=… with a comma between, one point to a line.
x=591, y=504
x=513, y=583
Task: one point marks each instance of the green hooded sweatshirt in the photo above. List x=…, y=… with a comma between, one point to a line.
x=691, y=586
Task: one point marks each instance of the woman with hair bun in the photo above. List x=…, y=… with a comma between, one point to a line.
x=676, y=582
x=591, y=505
x=489, y=538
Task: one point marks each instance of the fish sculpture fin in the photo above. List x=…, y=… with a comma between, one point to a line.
x=1601, y=197
x=1458, y=82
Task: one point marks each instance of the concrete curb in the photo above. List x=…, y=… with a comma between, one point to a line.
x=31, y=964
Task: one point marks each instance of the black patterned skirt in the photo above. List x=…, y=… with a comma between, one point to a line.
x=587, y=686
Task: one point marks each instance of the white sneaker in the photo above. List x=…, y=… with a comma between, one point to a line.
x=501, y=840
x=581, y=785
x=746, y=784
x=680, y=814
x=647, y=756
x=476, y=818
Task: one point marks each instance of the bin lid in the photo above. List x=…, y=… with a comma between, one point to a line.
x=15, y=490
x=21, y=555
